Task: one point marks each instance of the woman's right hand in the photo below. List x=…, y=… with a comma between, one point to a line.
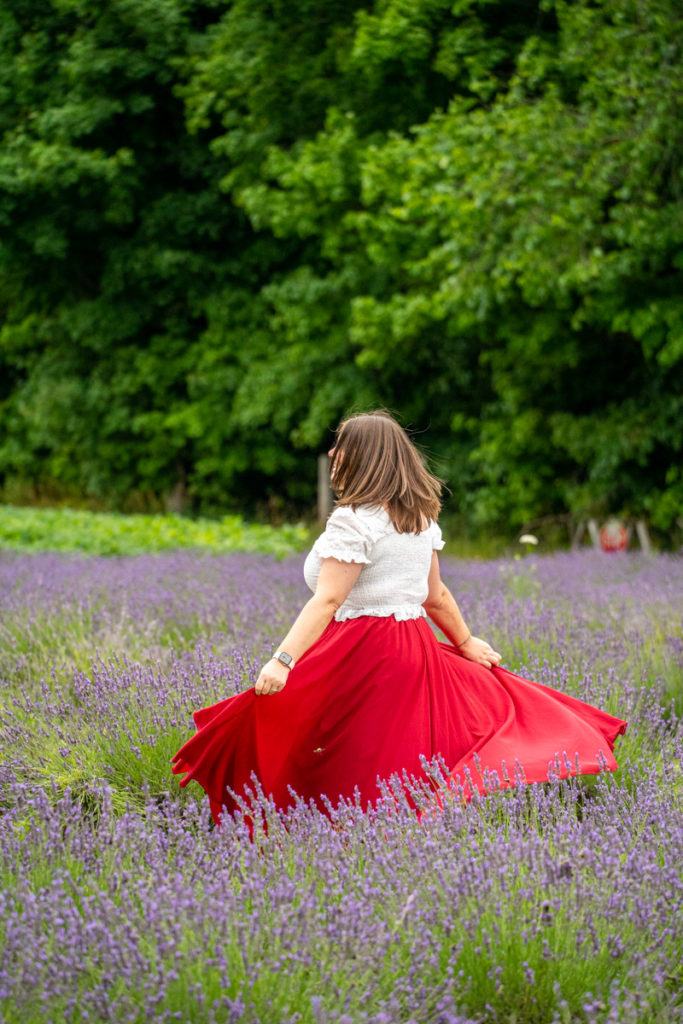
x=475, y=649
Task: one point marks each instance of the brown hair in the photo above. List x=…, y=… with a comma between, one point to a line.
x=375, y=462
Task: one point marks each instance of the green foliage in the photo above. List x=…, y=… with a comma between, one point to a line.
x=226, y=225
x=105, y=533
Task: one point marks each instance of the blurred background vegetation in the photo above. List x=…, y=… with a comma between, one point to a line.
x=224, y=225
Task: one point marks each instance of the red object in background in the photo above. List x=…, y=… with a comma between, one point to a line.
x=613, y=536
x=371, y=695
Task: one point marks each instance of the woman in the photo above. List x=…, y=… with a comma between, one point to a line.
x=360, y=687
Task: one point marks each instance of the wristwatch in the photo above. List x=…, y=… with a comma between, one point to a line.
x=285, y=658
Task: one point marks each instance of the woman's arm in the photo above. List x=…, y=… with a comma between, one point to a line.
x=334, y=583
x=442, y=608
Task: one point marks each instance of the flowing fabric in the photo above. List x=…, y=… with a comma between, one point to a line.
x=371, y=696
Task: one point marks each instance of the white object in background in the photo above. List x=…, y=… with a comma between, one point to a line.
x=643, y=536
x=325, y=497
x=594, y=532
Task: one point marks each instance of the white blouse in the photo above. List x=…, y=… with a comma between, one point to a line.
x=394, y=577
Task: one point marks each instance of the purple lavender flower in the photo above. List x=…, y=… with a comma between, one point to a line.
x=121, y=902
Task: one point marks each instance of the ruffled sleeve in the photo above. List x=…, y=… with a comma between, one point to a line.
x=437, y=539
x=346, y=537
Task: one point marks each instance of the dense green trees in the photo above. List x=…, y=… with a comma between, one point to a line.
x=226, y=224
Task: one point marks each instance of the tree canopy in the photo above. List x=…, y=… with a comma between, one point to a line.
x=224, y=225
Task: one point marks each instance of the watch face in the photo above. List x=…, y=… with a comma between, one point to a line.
x=285, y=658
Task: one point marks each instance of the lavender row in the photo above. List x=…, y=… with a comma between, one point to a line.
x=550, y=904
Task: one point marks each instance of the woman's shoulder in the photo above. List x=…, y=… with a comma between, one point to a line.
x=349, y=535
x=376, y=520
x=364, y=514
x=371, y=520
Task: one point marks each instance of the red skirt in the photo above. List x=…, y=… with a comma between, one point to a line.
x=371, y=696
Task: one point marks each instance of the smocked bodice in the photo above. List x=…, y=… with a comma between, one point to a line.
x=394, y=577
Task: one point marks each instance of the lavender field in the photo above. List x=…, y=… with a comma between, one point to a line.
x=545, y=904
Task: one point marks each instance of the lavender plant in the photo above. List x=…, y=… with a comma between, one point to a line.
x=548, y=904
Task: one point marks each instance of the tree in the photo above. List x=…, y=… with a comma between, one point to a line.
x=226, y=225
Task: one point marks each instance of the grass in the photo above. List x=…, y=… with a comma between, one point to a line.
x=24, y=529
x=38, y=528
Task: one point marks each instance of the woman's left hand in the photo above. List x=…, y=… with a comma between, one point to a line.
x=272, y=677
x=478, y=650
